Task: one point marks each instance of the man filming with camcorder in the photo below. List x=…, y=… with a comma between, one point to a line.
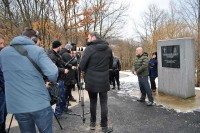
x=26, y=94
x=63, y=68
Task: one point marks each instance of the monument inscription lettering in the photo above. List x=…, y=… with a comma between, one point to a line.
x=170, y=56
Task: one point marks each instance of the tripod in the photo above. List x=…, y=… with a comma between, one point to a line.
x=81, y=97
x=53, y=113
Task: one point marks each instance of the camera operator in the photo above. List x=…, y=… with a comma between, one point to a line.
x=63, y=69
x=26, y=95
x=70, y=77
x=96, y=61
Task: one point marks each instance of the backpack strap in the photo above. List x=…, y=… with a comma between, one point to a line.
x=24, y=52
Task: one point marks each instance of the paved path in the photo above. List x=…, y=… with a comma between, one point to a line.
x=129, y=116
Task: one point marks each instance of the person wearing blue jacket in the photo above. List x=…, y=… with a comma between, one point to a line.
x=26, y=94
x=153, y=70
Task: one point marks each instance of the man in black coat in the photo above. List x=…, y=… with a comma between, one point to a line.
x=96, y=61
x=63, y=69
x=70, y=77
x=116, y=67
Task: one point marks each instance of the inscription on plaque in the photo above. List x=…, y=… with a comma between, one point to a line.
x=170, y=56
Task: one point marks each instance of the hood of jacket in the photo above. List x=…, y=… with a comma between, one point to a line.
x=100, y=45
x=23, y=40
x=64, y=50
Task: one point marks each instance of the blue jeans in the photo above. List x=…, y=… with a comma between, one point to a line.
x=61, y=105
x=3, y=111
x=145, y=88
x=42, y=119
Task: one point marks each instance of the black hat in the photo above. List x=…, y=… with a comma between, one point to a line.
x=56, y=44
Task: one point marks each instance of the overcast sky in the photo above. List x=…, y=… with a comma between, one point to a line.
x=136, y=9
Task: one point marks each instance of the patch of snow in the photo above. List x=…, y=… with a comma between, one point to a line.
x=129, y=84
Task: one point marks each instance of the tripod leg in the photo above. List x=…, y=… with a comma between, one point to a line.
x=10, y=123
x=58, y=121
x=79, y=94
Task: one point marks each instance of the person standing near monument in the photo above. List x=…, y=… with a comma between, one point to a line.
x=153, y=70
x=141, y=70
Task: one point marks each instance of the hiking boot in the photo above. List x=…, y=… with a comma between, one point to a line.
x=107, y=129
x=113, y=88
x=92, y=125
x=149, y=103
x=118, y=88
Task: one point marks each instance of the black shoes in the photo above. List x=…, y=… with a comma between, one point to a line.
x=141, y=100
x=92, y=125
x=107, y=129
x=118, y=88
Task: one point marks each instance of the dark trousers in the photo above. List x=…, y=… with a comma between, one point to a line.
x=68, y=92
x=61, y=105
x=145, y=88
x=110, y=77
x=104, y=107
x=3, y=112
x=153, y=83
x=115, y=78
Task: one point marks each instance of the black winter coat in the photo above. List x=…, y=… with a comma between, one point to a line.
x=116, y=64
x=70, y=76
x=57, y=59
x=96, y=62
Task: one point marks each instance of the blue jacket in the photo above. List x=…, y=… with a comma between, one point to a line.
x=24, y=86
x=153, y=67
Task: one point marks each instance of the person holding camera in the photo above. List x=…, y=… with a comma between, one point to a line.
x=70, y=77
x=26, y=94
x=96, y=61
x=63, y=69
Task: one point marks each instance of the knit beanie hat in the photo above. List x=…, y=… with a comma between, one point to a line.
x=68, y=46
x=56, y=44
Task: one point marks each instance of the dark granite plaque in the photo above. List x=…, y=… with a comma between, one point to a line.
x=170, y=56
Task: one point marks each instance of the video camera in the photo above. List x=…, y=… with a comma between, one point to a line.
x=75, y=48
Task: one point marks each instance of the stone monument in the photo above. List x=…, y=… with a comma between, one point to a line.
x=176, y=67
